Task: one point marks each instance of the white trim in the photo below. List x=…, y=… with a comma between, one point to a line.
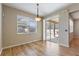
x=19, y=44
x=44, y=31
x=63, y=45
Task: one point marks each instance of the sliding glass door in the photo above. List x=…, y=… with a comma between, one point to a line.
x=52, y=30
x=56, y=30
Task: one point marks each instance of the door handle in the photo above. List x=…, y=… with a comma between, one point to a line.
x=65, y=30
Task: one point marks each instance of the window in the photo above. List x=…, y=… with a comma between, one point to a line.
x=71, y=25
x=26, y=25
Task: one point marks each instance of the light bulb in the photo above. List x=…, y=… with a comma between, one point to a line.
x=38, y=18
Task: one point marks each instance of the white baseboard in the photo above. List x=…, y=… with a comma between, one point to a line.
x=19, y=44
x=64, y=45
x=1, y=51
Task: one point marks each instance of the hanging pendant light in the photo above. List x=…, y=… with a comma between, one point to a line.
x=38, y=18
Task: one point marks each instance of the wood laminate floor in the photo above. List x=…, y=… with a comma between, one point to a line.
x=41, y=48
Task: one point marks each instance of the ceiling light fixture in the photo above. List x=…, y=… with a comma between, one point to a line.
x=38, y=18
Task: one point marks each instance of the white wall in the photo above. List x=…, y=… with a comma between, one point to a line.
x=10, y=38
x=64, y=25
x=76, y=29
x=0, y=28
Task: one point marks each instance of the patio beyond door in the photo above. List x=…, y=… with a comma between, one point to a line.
x=52, y=30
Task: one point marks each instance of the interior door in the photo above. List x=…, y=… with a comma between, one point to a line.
x=64, y=28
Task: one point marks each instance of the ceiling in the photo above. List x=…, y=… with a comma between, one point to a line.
x=74, y=11
x=44, y=8
x=75, y=15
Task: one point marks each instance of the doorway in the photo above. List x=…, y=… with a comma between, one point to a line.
x=52, y=30
x=56, y=29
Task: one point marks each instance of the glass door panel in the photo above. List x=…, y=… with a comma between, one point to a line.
x=52, y=30
x=48, y=32
x=56, y=30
